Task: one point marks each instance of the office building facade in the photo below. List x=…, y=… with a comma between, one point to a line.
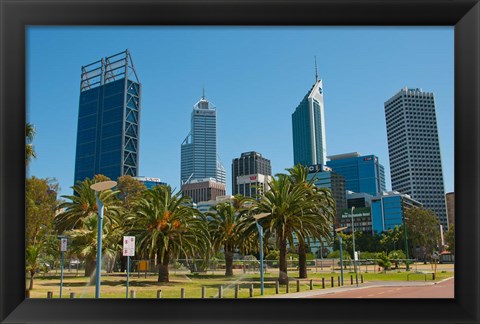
x=388, y=210
x=203, y=189
x=362, y=173
x=108, y=131
x=450, y=199
x=414, y=149
x=251, y=167
x=150, y=182
x=199, y=158
x=308, y=126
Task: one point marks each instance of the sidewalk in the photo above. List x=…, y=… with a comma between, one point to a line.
x=369, y=284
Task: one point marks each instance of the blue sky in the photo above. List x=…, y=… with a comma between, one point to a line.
x=255, y=76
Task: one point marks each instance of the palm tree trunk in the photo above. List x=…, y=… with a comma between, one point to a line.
x=163, y=268
x=32, y=274
x=228, y=261
x=282, y=273
x=90, y=266
x=302, y=260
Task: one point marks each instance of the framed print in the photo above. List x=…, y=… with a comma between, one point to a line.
x=26, y=27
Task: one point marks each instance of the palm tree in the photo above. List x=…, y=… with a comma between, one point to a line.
x=225, y=227
x=322, y=215
x=166, y=226
x=29, y=150
x=77, y=214
x=32, y=262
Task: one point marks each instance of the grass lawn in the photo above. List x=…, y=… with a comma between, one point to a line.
x=114, y=285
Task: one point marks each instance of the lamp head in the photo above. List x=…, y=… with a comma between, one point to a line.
x=340, y=229
x=104, y=185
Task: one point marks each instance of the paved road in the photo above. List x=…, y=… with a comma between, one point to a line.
x=443, y=289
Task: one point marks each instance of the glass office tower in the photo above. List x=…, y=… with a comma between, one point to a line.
x=308, y=125
x=362, y=173
x=108, y=119
x=249, y=164
x=414, y=149
x=199, y=158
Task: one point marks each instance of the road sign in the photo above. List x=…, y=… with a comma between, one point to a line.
x=128, y=245
x=63, y=244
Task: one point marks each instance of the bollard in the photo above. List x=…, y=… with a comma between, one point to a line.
x=204, y=291
x=220, y=292
x=311, y=284
x=182, y=292
x=361, y=278
x=132, y=293
x=236, y=290
x=351, y=279
x=277, y=286
x=298, y=285
x=433, y=276
x=251, y=291
x=338, y=282
x=27, y=293
x=332, y=282
x=323, y=283
x=159, y=293
x=287, y=287
x=50, y=294
x=72, y=295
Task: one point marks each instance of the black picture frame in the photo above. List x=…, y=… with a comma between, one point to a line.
x=17, y=15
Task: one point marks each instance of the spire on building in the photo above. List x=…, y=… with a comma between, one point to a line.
x=316, y=70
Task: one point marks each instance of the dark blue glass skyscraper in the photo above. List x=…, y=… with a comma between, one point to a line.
x=362, y=173
x=108, y=119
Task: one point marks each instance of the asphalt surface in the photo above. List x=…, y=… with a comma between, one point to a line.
x=443, y=289
x=382, y=289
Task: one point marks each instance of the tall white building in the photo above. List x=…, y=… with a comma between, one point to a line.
x=308, y=128
x=199, y=158
x=414, y=149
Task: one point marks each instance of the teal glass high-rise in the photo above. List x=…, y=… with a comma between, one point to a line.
x=199, y=158
x=308, y=125
x=108, y=119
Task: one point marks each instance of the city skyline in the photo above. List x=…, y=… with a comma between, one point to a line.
x=243, y=97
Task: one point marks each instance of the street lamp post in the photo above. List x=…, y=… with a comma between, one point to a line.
x=353, y=243
x=337, y=230
x=63, y=248
x=98, y=187
x=260, y=234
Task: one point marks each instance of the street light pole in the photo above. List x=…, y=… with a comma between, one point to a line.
x=353, y=243
x=98, y=187
x=260, y=234
x=341, y=252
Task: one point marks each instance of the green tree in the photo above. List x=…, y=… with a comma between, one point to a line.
x=29, y=149
x=423, y=230
x=77, y=213
x=130, y=189
x=396, y=256
x=323, y=205
x=450, y=239
x=41, y=202
x=166, y=226
x=390, y=238
x=225, y=231
x=290, y=215
x=383, y=261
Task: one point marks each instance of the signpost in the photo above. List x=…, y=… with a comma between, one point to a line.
x=63, y=248
x=128, y=251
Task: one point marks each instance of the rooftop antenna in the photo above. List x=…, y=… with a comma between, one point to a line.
x=316, y=70
x=203, y=92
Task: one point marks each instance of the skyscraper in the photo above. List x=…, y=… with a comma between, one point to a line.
x=199, y=158
x=308, y=125
x=362, y=173
x=253, y=168
x=108, y=119
x=414, y=149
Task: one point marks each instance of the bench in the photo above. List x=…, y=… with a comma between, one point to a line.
x=425, y=273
